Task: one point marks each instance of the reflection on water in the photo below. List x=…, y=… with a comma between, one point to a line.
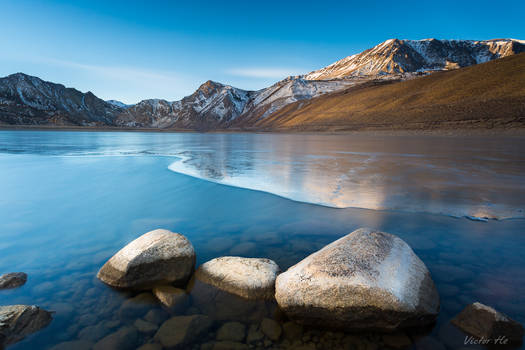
x=70, y=200
x=476, y=177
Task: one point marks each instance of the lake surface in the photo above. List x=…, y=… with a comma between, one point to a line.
x=70, y=200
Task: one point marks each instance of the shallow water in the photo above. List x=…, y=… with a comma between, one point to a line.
x=70, y=200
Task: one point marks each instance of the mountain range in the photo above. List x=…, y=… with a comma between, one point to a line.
x=28, y=100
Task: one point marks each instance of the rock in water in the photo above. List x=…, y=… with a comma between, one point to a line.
x=482, y=321
x=18, y=321
x=171, y=297
x=364, y=280
x=12, y=280
x=125, y=338
x=181, y=330
x=156, y=257
x=250, y=278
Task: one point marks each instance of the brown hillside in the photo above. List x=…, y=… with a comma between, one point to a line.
x=481, y=96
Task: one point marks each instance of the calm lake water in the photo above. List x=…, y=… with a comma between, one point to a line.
x=70, y=200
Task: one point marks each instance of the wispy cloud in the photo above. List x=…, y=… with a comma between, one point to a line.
x=264, y=72
x=119, y=72
x=129, y=84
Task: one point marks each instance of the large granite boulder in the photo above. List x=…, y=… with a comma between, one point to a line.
x=156, y=257
x=250, y=278
x=18, y=321
x=364, y=280
x=484, y=322
x=12, y=280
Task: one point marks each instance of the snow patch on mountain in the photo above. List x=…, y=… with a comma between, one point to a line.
x=119, y=104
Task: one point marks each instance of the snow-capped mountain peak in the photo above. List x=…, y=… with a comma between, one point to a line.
x=402, y=56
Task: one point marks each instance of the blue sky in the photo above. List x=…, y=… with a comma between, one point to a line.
x=131, y=50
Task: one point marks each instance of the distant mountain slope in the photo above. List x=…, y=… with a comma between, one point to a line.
x=215, y=105
x=486, y=95
x=399, y=56
x=25, y=99
x=211, y=105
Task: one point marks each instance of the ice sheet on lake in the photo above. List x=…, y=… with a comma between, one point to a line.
x=475, y=177
x=458, y=177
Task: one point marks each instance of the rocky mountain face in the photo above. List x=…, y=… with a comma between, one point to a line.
x=401, y=56
x=213, y=104
x=27, y=100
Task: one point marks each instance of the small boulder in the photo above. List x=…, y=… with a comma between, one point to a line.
x=137, y=306
x=12, y=280
x=482, y=321
x=233, y=331
x=171, y=297
x=181, y=330
x=229, y=345
x=250, y=278
x=271, y=329
x=292, y=330
x=145, y=326
x=397, y=340
x=224, y=306
x=74, y=344
x=125, y=338
x=150, y=346
x=156, y=257
x=254, y=334
x=156, y=316
x=365, y=280
x=19, y=321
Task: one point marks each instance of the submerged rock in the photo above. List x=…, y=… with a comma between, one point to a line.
x=125, y=338
x=74, y=344
x=224, y=306
x=171, y=297
x=145, y=326
x=250, y=278
x=137, y=306
x=365, y=280
x=233, y=331
x=271, y=329
x=18, y=321
x=12, y=280
x=181, y=330
x=156, y=257
x=482, y=321
x=229, y=345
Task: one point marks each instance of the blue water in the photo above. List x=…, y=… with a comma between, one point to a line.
x=70, y=200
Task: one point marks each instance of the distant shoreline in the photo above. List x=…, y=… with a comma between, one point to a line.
x=519, y=132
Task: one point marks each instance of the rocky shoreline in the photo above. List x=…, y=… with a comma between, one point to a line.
x=366, y=290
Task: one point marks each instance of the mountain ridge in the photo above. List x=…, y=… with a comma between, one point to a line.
x=27, y=100
x=488, y=95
